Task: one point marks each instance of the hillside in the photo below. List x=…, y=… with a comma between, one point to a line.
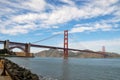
x=58, y=53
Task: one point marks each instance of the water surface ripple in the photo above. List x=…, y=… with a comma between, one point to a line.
x=73, y=68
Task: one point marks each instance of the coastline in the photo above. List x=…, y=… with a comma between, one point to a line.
x=7, y=77
x=12, y=71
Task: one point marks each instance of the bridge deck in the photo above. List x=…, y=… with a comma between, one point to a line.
x=53, y=47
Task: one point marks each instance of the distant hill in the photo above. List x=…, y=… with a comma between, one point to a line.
x=59, y=53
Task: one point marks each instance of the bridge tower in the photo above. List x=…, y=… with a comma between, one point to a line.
x=6, y=44
x=27, y=49
x=65, y=44
x=103, y=49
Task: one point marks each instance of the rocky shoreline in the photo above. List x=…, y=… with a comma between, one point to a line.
x=18, y=73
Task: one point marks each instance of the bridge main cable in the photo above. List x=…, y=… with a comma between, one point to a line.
x=46, y=38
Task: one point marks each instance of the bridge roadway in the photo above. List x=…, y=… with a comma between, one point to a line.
x=53, y=47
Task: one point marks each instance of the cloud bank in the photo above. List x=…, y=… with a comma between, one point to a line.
x=39, y=14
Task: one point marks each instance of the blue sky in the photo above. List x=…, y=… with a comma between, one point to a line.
x=91, y=23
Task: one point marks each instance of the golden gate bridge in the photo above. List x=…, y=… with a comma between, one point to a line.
x=9, y=45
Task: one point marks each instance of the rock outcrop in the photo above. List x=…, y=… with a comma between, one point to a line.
x=18, y=73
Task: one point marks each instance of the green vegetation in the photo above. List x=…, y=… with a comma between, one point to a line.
x=5, y=52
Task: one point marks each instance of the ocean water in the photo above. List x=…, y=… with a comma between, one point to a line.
x=72, y=69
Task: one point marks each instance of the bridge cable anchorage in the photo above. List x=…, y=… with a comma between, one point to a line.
x=46, y=38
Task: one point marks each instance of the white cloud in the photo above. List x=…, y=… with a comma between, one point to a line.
x=81, y=29
x=103, y=26
x=116, y=18
x=68, y=13
x=36, y=5
x=92, y=27
x=55, y=27
x=14, y=30
x=68, y=2
x=30, y=17
x=60, y=32
x=57, y=15
x=105, y=2
x=93, y=9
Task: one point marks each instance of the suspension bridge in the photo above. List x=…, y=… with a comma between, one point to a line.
x=9, y=45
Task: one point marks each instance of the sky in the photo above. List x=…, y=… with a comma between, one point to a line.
x=91, y=23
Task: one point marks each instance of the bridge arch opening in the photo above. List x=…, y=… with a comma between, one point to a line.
x=17, y=49
x=1, y=46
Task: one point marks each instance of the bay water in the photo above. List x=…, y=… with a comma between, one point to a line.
x=73, y=68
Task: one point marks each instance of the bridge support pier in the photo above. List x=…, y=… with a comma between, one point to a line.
x=6, y=44
x=27, y=49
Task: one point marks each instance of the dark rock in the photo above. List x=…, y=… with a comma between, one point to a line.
x=18, y=73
